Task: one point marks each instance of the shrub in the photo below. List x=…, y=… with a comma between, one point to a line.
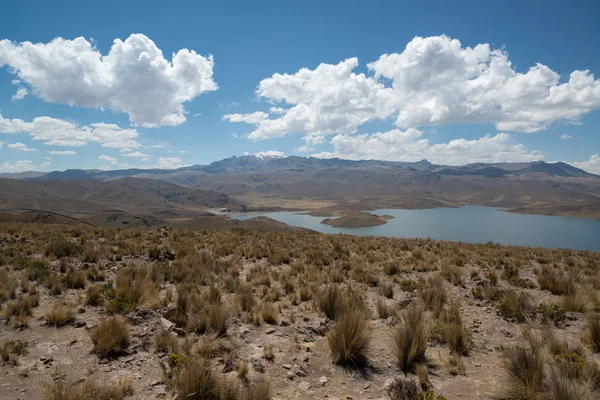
x=552, y=312
x=403, y=389
x=410, y=339
x=110, y=337
x=349, y=340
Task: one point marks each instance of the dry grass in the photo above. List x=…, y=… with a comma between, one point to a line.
x=88, y=390
x=110, y=337
x=60, y=314
x=349, y=340
x=410, y=339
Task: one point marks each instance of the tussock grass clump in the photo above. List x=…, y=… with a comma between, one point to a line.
x=195, y=379
x=334, y=304
x=60, y=314
x=554, y=281
x=349, y=340
x=62, y=247
x=165, y=342
x=580, y=300
x=516, y=305
x=410, y=339
x=88, y=390
x=270, y=312
x=110, y=337
x=11, y=350
x=526, y=368
x=433, y=295
x=453, y=274
x=593, y=330
x=93, y=297
x=403, y=389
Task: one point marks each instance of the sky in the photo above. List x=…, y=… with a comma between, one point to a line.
x=122, y=84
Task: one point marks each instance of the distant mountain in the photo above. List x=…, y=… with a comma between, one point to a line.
x=310, y=183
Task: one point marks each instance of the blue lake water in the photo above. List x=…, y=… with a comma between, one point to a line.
x=473, y=224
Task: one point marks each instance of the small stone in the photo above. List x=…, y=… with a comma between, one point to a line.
x=270, y=331
x=166, y=324
x=301, y=372
x=367, y=386
x=323, y=380
x=287, y=366
x=304, y=386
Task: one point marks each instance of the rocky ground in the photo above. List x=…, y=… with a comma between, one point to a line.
x=291, y=272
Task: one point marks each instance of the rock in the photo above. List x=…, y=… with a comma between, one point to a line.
x=301, y=372
x=79, y=323
x=323, y=380
x=285, y=322
x=229, y=365
x=166, y=324
x=304, y=386
x=287, y=366
x=270, y=331
x=290, y=375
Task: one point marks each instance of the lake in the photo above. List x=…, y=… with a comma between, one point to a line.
x=473, y=224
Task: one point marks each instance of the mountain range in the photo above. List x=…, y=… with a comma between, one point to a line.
x=323, y=186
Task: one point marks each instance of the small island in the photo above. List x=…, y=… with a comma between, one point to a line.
x=356, y=220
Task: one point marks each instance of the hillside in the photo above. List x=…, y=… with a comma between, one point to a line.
x=128, y=194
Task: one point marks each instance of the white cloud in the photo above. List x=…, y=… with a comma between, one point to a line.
x=20, y=147
x=63, y=153
x=154, y=146
x=136, y=154
x=45, y=165
x=21, y=93
x=397, y=145
x=58, y=132
x=182, y=151
x=564, y=136
x=592, y=165
x=269, y=153
x=1, y=144
x=134, y=77
x=108, y=159
x=434, y=81
x=17, y=166
x=170, y=162
x=229, y=105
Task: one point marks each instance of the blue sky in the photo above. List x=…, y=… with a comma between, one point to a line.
x=475, y=82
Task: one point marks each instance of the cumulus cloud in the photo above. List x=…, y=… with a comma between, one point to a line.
x=564, y=136
x=108, y=159
x=170, y=162
x=434, y=81
x=17, y=166
x=134, y=77
x=63, y=153
x=20, y=94
x=398, y=145
x=20, y=147
x=58, y=132
x=592, y=165
x=136, y=154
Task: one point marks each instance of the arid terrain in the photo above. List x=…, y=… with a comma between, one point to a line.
x=111, y=313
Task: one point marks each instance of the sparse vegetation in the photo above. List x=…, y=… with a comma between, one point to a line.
x=206, y=295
